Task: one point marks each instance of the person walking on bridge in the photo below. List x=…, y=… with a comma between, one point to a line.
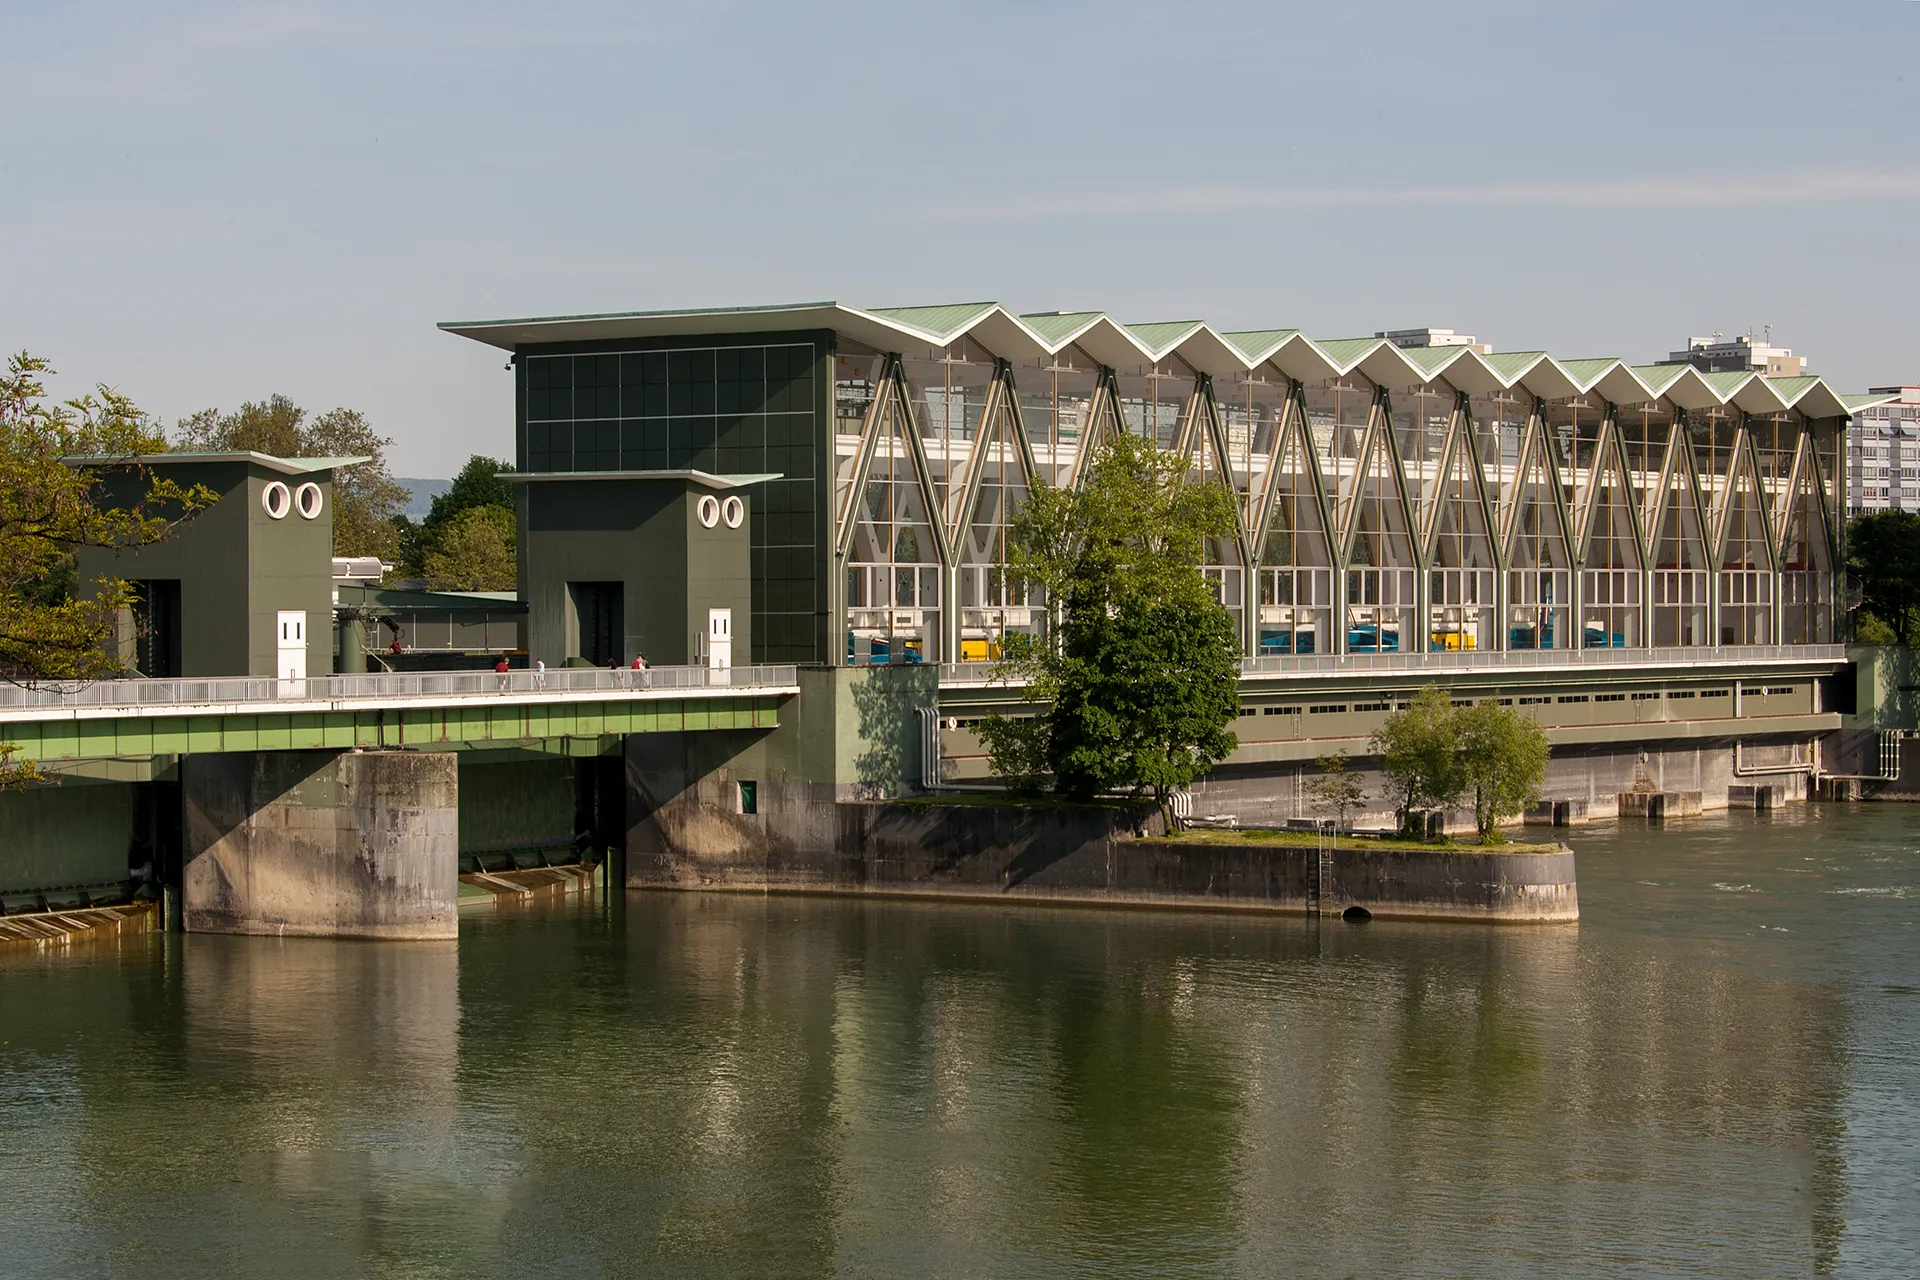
x=642, y=679
x=501, y=669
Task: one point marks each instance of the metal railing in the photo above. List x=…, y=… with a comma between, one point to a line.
x=402, y=684
x=1451, y=661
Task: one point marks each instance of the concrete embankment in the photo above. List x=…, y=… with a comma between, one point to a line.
x=1064, y=855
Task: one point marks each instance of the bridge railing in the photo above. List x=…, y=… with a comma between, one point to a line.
x=384, y=685
x=1452, y=661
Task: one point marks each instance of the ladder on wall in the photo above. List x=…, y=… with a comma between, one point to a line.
x=1320, y=883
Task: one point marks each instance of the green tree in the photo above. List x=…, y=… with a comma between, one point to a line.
x=366, y=497
x=474, y=551
x=481, y=483
x=1503, y=757
x=1883, y=555
x=48, y=508
x=1419, y=752
x=1138, y=677
x=1339, y=789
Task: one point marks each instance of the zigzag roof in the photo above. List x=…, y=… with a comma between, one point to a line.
x=1199, y=346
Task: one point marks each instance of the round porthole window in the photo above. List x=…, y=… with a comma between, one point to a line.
x=708, y=509
x=276, y=500
x=733, y=511
x=307, y=500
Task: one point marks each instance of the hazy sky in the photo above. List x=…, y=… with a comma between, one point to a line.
x=205, y=203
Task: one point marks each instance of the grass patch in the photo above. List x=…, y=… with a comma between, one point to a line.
x=1005, y=800
x=1272, y=837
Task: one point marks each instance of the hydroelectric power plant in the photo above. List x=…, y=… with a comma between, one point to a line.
x=798, y=514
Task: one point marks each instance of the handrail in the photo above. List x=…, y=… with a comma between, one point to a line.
x=1453, y=660
x=229, y=690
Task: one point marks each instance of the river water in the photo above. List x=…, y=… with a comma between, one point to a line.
x=1713, y=1074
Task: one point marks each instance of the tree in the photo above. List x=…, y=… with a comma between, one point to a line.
x=1339, y=787
x=474, y=551
x=365, y=496
x=1503, y=757
x=1139, y=673
x=1419, y=753
x=1883, y=554
x=481, y=483
x=48, y=508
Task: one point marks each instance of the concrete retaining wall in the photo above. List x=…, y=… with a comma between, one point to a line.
x=1088, y=855
x=1592, y=775
x=322, y=843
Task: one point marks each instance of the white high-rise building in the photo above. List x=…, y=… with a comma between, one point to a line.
x=1883, y=454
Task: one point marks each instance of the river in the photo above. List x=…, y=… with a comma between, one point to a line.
x=1714, y=1073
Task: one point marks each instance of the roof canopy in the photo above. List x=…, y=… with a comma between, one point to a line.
x=705, y=478
x=1199, y=346
x=285, y=466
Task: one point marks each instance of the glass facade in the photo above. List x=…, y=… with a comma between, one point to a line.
x=729, y=407
x=1386, y=504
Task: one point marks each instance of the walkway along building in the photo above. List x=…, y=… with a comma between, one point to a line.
x=1391, y=499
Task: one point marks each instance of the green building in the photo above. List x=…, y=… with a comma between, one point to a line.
x=618, y=563
x=245, y=587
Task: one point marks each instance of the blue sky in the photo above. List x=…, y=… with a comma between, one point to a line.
x=208, y=203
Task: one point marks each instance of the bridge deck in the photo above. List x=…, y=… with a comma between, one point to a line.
x=130, y=718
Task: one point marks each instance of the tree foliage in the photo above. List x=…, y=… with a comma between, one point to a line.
x=1138, y=678
x=49, y=508
x=449, y=545
x=1434, y=754
x=1883, y=555
x=1339, y=789
x=1418, y=752
x=474, y=551
x=366, y=497
x=1503, y=756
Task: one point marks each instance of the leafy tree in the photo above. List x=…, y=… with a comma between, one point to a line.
x=481, y=483
x=1339, y=788
x=366, y=497
x=1883, y=554
x=1503, y=756
x=1419, y=752
x=1139, y=674
x=48, y=508
x=474, y=551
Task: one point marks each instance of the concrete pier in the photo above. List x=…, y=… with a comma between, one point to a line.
x=353, y=844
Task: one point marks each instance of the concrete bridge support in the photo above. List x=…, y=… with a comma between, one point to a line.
x=354, y=844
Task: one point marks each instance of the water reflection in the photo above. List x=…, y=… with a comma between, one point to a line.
x=720, y=1085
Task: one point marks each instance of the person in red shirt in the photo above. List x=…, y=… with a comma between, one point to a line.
x=501, y=668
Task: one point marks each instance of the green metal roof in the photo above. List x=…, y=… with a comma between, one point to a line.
x=1727, y=381
x=1037, y=335
x=1511, y=364
x=1658, y=377
x=1431, y=359
x=1254, y=344
x=1587, y=372
x=1346, y=352
x=1056, y=326
x=1161, y=334
x=945, y=320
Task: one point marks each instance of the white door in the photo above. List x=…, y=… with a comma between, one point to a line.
x=719, y=639
x=291, y=659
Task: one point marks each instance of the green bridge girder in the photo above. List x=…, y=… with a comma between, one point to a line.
x=462, y=725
